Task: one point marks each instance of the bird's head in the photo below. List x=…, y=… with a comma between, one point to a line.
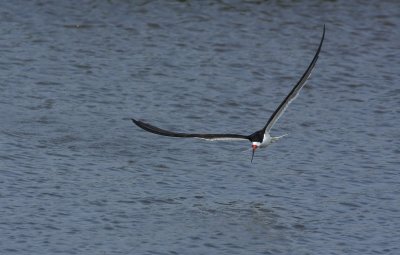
x=254, y=145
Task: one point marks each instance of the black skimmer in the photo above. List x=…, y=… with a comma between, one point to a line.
x=260, y=138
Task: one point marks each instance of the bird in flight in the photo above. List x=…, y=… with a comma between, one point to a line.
x=258, y=139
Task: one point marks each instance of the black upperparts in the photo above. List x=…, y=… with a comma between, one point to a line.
x=257, y=136
x=159, y=131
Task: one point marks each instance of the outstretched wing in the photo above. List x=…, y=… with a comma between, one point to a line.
x=295, y=91
x=159, y=131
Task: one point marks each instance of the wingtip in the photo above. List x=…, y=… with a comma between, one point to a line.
x=134, y=121
x=322, y=39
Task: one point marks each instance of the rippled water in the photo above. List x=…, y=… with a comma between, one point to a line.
x=76, y=177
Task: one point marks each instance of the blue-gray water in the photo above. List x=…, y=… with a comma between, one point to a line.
x=76, y=177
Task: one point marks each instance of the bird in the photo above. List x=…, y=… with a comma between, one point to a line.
x=258, y=139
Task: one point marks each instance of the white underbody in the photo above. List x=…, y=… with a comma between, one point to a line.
x=267, y=140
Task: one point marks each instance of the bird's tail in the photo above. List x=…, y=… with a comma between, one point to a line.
x=276, y=138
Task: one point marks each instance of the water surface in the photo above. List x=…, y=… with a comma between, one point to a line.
x=76, y=177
